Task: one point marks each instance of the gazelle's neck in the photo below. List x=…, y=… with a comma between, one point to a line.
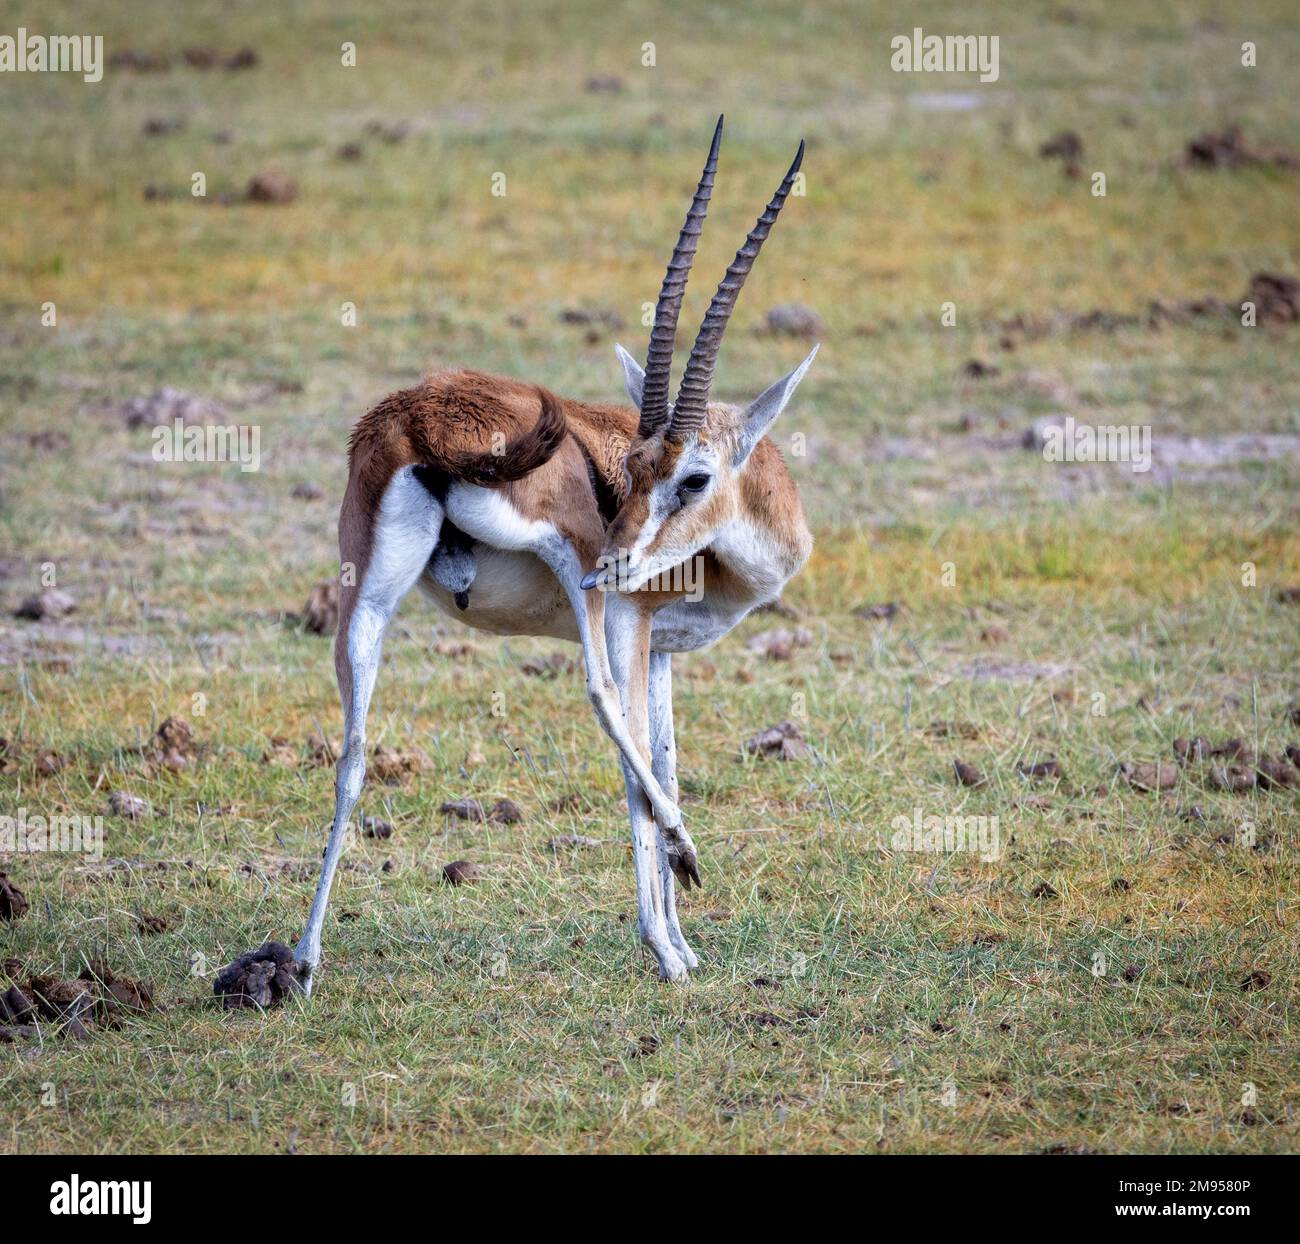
x=766, y=540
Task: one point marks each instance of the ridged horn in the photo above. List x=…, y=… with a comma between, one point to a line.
x=693, y=394
x=659, y=358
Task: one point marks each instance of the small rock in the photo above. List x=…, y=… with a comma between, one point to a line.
x=132, y=807
x=1231, y=749
x=793, y=319
x=779, y=644
x=1274, y=773
x=506, y=812
x=593, y=317
x=1035, y=436
x=167, y=405
x=48, y=604
x=1192, y=749
x=393, y=767
x=784, y=741
x=174, y=735
x=465, y=809
x=461, y=872
x=392, y=132
x=1151, y=777
x=884, y=612
x=324, y=752
x=1236, y=779
x=137, y=61
x=1066, y=145
x=953, y=729
x=320, y=615
x=259, y=978
x=547, y=667
x=245, y=58
x=13, y=902
x=968, y=775
x=271, y=188
x=16, y=1007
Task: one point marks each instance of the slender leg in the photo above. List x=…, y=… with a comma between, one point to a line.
x=589, y=608
x=629, y=654
x=663, y=759
x=402, y=539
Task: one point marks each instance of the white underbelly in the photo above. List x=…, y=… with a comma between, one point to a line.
x=513, y=593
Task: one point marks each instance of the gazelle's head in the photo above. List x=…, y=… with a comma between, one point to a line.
x=685, y=467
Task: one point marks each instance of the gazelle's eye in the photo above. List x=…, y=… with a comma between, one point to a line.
x=695, y=483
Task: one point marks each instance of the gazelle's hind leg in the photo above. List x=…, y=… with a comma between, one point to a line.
x=400, y=537
x=663, y=758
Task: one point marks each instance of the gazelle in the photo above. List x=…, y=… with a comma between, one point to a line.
x=522, y=513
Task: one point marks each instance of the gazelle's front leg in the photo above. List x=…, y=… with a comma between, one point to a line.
x=663, y=759
x=628, y=631
x=589, y=610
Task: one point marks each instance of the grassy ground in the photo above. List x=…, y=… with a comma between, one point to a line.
x=853, y=996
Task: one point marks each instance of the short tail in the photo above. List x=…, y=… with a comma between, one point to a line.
x=515, y=458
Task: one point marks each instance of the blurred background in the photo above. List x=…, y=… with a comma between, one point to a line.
x=499, y=186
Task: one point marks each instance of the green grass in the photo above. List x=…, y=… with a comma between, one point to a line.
x=513, y=1015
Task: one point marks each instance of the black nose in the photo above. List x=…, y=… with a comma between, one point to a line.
x=589, y=580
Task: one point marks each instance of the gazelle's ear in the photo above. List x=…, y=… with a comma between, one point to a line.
x=633, y=375
x=763, y=410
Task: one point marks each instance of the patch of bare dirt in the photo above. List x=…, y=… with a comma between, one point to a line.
x=260, y=978
x=1229, y=148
